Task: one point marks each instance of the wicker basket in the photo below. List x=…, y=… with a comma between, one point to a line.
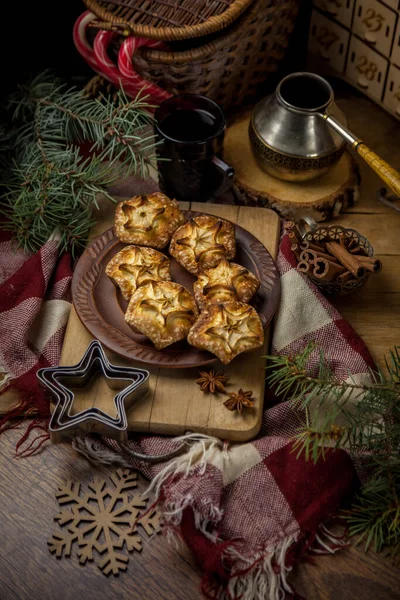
x=230, y=68
x=167, y=19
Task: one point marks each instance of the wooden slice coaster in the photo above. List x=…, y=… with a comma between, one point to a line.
x=321, y=199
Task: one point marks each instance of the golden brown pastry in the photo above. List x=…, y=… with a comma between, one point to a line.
x=147, y=220
x=203, y=242
x=227, y=329
x=135, y=266
x=227, y=281
x=163, y=311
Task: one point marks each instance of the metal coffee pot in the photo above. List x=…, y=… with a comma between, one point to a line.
x=298, y=132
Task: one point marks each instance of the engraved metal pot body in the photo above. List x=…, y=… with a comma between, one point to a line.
x=289, y=139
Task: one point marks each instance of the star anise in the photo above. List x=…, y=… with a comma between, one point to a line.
x=239, y=400
x=212, y=382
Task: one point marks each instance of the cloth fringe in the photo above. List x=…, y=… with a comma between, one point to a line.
x=32, y=402
x=228, y=575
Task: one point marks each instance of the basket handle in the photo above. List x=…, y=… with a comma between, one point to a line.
x=119, y=28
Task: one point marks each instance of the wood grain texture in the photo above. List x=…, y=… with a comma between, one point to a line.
x=29, y=572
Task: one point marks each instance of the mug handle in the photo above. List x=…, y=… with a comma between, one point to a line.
x=227, y=173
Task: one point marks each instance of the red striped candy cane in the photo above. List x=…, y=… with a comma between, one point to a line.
x=123, y=74
x=81, y=43
x=125, y=55
x=100, y=47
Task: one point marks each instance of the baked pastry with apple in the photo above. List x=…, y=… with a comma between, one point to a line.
x=227, y=281
x=147, y=220
x=134, y=266
x=226, y=330
x=163, y=311
x=203, y=242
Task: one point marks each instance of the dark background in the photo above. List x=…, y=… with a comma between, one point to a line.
x=37, y=35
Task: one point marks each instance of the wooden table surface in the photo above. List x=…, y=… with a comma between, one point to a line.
x=27, y=486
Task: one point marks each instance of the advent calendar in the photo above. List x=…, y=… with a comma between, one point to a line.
x=359, y=40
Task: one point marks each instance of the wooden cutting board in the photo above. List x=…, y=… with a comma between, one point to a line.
x=175, y=404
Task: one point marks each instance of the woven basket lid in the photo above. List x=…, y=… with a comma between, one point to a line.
x=168, y=19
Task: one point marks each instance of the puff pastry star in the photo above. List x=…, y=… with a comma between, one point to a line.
x=227, y=281
x=162, y=311
x=135, y=266
x=147, y=220
x=227, y=330
x=203, y=242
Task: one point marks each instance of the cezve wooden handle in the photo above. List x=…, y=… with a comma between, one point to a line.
x=389, y=175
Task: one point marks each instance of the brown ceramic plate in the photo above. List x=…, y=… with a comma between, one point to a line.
x=101, y=307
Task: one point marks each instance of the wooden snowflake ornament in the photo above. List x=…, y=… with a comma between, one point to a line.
x=104, y=520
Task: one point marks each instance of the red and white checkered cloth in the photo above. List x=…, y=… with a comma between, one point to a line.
x=34, y=306
x=248, y=511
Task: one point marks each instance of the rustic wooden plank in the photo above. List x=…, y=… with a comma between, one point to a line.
x=176, y=392
x=8, y=400
x=381, y=230
x=28, y=508
x=349, y=574
x=219, y=210
x=374, y=316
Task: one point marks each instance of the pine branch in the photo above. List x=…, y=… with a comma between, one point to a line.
x=51, y=189
x=364, y=418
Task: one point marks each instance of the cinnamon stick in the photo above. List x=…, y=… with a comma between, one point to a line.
x=303, y=267
x=346, y=259
x=327, y=270
x=319, y=250
x=289, y=225
x=321, y=268
x=308, y=256
x=306, y=244
x=295, y=248
x=293, y=237
x=291, y=228
x=354, y=247
x=357, y=250
x=371, y=264
x=346, y=276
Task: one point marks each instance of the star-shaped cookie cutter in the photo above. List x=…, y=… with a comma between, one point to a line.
x=133, y=384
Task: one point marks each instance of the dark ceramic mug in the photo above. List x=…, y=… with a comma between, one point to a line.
x=191, y=129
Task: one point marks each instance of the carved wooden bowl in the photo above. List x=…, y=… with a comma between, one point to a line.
x=101, y=307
